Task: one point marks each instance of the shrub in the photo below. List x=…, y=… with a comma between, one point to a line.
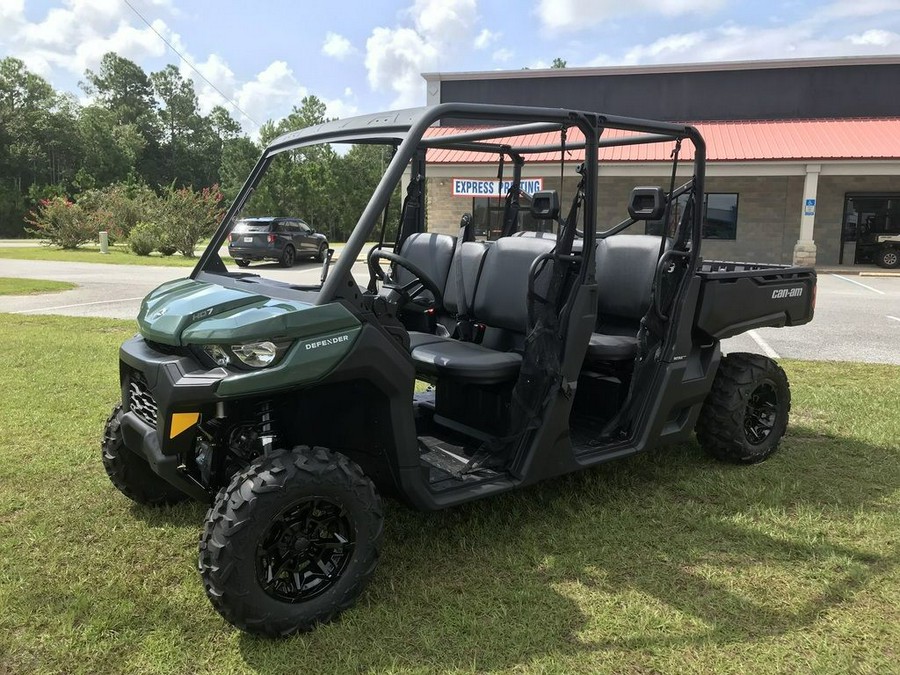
x=120, y=207
x=62, y=222
x=144, y=238
x=186, y=216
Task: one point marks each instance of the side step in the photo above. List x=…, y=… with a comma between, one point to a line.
x=449, y=462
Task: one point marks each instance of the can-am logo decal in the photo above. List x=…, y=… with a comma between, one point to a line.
x=327, y=341
x=779, y=293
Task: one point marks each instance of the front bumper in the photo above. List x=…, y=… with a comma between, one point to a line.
x=154, y=386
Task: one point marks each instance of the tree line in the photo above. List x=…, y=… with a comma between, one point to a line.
x=144, y=134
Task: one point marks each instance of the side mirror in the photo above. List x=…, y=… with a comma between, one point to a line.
x=545, y=205
x=647, y=203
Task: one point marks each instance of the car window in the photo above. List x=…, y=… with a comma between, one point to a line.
x=250, y=226
x=304, y=228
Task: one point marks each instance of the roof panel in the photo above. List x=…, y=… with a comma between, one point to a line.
x=780, y=140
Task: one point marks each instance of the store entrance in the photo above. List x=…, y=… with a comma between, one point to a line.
x=866, y=216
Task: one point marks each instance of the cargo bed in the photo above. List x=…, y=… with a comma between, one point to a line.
x=739, y=296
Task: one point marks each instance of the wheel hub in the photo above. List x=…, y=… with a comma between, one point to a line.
x=305, y=550
x=762, y=409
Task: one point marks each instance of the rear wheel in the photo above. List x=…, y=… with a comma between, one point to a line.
x=287, y=257
x=323, y=249
x=291, y=542
x=888, y=257
x=746, y=413
x=130, y=473
x=242, y=263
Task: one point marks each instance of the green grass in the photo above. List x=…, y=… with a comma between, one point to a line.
x=667, y=562
x=16, y=286
x=118, y=255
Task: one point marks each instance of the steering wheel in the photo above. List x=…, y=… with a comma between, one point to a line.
x=411, y=289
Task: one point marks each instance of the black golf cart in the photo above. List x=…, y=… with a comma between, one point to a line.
x=290, y=404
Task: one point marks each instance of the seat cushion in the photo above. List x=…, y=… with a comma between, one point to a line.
x=445, y=357
x=604, y=347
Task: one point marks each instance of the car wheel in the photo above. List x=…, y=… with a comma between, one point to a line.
x=888, y=257
x=287, y=256
x=291, y=542
x=746, y=412
x=323, y=250
x=242, y=263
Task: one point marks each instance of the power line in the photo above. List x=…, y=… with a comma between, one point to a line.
x=188, y=63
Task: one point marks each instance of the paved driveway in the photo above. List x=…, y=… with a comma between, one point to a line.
x=857, y=318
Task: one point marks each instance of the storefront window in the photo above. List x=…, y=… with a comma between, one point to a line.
x=720, y=210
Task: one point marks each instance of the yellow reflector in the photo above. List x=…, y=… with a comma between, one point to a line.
x=182, y=421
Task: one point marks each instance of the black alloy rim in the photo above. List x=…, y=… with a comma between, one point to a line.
x=305, y=550
x=289, y=257
x=762, y=409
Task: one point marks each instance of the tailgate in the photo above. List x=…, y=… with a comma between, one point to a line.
x=737, y=297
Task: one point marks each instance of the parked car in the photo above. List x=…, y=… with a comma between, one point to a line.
x=271, y=238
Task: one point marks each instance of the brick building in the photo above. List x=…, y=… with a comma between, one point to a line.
x=803, y=155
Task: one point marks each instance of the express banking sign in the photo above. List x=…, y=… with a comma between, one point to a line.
x=473, y=187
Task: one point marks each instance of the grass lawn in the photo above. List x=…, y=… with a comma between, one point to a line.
x=667, y=562
x=118, y=255
x=16, y=286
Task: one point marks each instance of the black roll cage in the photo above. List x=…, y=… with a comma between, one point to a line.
x=406, y=129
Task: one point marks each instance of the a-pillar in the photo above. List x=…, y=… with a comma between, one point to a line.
x=805, y=248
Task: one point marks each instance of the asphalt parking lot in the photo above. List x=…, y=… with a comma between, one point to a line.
x=857, y=318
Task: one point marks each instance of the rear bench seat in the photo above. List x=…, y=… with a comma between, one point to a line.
x=625, y=267
x=500, y=302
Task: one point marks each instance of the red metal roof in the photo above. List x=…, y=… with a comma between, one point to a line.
x=763, y=141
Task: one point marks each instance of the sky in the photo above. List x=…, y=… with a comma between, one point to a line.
x=359, y=57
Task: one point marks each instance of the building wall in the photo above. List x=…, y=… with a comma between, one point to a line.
x=769, y=209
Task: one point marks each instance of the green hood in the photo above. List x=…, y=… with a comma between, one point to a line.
x=194, y=312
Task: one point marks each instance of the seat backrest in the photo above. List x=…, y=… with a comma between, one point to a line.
x=501, y=299
x=469, y=263
x=432, y=253
x=625, y=267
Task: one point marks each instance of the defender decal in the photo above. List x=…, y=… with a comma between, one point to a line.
x=327, y=341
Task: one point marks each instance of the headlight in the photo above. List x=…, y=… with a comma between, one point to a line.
x=260, y=354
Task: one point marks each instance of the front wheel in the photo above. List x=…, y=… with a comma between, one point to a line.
x=746, y=412
x=130, y=473
x=291, y=542
x=241, y=262
x=323, y=250
x=889, y=258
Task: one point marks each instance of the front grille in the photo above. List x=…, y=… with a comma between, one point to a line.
x=140, y=400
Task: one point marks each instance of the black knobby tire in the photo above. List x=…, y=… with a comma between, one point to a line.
x=889, y=258
x=323, y=250
x=241, y=522
x=130, y=473
x=746, y=412
x=242, y=263
x=287, y=256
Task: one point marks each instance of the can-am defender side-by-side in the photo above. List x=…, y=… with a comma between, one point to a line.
x=552, y=347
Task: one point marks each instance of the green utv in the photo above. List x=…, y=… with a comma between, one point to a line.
x=290, y=403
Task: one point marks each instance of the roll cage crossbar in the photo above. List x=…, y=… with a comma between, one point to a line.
x=407, y=129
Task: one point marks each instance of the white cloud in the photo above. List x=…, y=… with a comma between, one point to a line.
x=486, y=38
x=841, y=28
x=271, y=93
x=502, y=55
x=337, y=46
x=877, y=37
x=396, y=57
x=580, y=14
